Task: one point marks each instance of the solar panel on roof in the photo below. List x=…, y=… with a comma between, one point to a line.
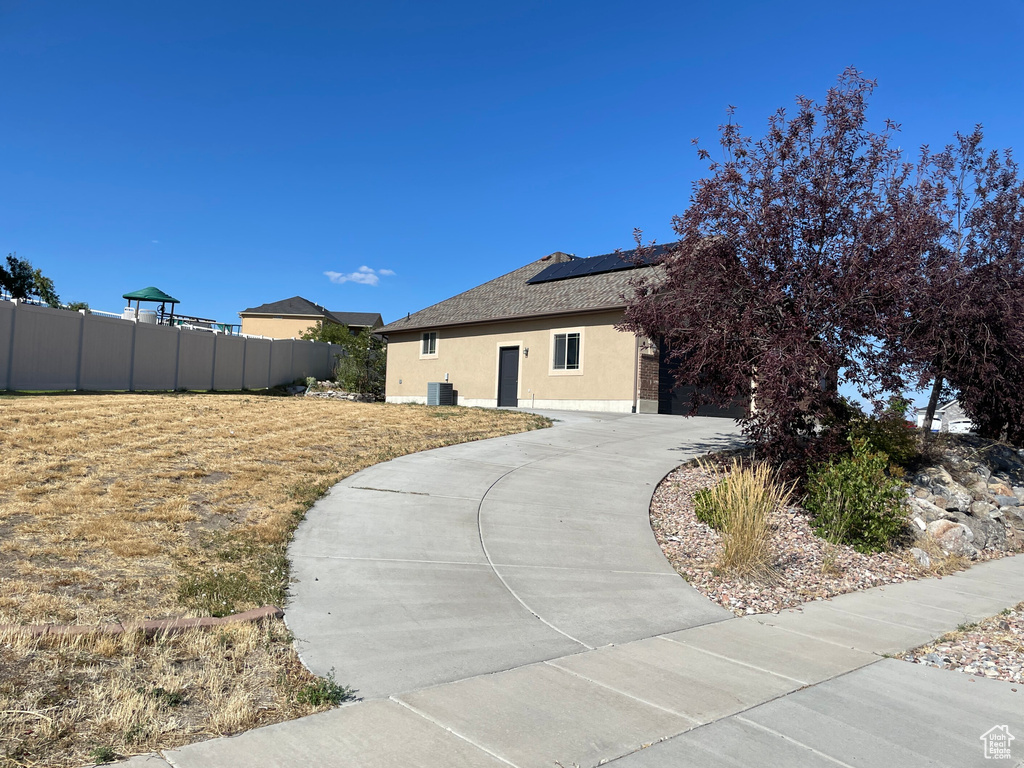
x=595, y=265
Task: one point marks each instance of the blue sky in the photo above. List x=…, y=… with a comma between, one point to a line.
x=232, y=153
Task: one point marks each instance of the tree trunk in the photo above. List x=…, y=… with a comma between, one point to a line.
x=933, y=403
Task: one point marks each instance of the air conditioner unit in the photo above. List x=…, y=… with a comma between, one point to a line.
x=439, y=393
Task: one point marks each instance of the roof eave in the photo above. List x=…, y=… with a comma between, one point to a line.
x=514, y=318
x=245, y=312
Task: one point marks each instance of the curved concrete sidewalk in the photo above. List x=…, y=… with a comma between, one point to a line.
x=448, y=596
x=489, y=555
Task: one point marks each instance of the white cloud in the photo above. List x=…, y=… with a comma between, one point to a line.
x=364, y=276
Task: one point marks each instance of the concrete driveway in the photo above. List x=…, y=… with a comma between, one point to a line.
x=489, y=555
x=504, y=604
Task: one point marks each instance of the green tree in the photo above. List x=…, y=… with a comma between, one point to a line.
x=21, y=280
x=363, y=360
x=42, y=287
x=331, y=333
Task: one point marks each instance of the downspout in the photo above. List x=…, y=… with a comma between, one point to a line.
x=636, y=372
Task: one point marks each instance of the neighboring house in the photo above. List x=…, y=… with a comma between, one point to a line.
x=543, y=336
x=290, y=318
x=949, y=417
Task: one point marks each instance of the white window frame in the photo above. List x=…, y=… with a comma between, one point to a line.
x=422, y=342
x=552, y=370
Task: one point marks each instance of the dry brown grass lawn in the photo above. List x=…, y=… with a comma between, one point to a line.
x=126, y=507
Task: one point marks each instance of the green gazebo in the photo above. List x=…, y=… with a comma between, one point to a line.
x=155, y=295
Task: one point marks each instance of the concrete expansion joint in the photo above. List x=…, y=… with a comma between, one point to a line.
x=790, y=739
x=917, y=602
x=873, y=618
x=958, y=588
x=812, y=637
x=494, y=569
x=620, y=692
x=453, y=732
x=734, y=661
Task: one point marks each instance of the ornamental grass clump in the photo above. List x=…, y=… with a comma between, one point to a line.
x=740, y=506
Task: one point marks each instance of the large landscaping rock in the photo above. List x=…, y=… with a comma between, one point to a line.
x=978, y=488
x=986, y=524
x=1006, y=460
x=948, y=493
x=921, y=556
x=954, y=538
x=928, y=511
x=1014, y=517
x=982, y=509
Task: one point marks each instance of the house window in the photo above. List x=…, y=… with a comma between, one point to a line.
x=429, y=346
x=567, y=352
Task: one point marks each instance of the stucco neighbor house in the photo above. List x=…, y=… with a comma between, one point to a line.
x=290, y=318
x=542, y=336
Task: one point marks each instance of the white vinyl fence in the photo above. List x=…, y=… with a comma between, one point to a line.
x=56, y=349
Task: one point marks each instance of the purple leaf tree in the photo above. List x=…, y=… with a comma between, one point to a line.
x=794, y=261
x=965, y=325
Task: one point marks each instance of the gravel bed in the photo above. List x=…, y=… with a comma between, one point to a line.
x=993, y=648
x=806, y=567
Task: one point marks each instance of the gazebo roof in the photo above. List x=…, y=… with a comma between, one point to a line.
x=150, y=294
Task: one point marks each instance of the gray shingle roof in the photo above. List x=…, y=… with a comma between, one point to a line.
x=361, y=319
x=509, y=297
x=297, y=305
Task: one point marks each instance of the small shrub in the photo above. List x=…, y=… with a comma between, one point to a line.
x=836, y=532
x=325, y=691
x=164, y=698
x=853, y=501
x=707, y=508
x=890, y=434
x=740, y=506
x=103, y=755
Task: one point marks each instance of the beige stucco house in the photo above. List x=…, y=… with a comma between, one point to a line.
x=290, y=318
x=543, y=336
